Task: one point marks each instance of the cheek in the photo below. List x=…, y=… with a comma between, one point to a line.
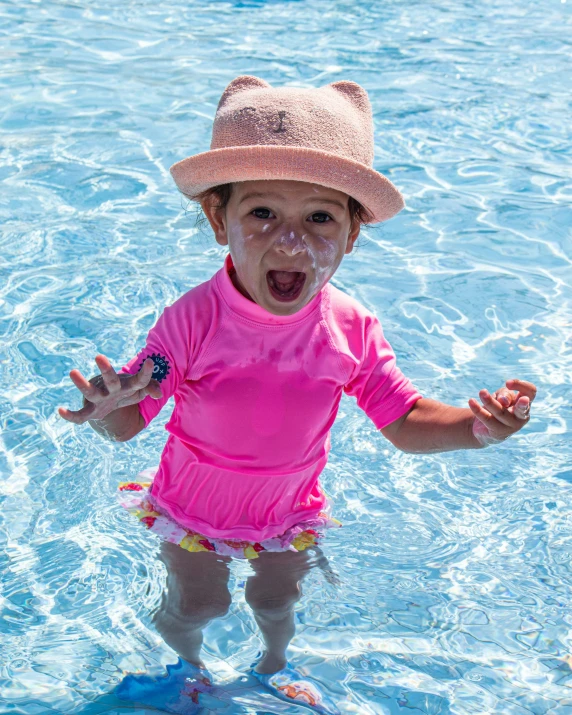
x=241, y=246
x=324, y=259
x=323, y=253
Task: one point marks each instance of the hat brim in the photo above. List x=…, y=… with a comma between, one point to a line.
x=250, y=163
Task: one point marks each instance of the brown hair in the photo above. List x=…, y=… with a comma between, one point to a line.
x=220, y=196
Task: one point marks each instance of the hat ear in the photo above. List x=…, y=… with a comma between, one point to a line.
x=353, y=92
x=241, y=84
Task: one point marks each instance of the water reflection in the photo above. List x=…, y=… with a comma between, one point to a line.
x=196, y=593
x=470, y=613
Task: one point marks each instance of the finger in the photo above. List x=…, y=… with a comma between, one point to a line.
x=87, y=389
x=522, y=408
x=134, y=397
x=131, y=399
x=525, y=389
x=496, y=409
x=143, y=377
x=480, y=413
x=140, y=379
x=505, y=397
x=78, y=417
x=110, y=377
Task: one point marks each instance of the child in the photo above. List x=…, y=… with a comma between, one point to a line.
x=257, y=358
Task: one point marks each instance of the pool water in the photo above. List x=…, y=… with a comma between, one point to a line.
x=454, y=570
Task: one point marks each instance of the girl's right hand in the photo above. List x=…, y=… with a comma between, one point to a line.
x=109, y=391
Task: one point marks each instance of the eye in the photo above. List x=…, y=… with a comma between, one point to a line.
x=263, y=210
x=322, y=217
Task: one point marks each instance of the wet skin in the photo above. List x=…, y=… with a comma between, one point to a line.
x=289, y=226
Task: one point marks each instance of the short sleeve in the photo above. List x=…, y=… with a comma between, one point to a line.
x=382, y=390
x=167, y=345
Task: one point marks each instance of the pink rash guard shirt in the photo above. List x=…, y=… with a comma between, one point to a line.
x=255, y=397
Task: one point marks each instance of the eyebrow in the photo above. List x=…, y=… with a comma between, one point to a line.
x=262, y=195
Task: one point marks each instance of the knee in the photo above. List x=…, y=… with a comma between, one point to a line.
x=273, y=604
x=198, y=611
x=203, y=610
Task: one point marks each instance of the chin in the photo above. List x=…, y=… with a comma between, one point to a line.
x=286, y=310
x=277, y=308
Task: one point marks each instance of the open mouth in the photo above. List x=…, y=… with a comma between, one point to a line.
x=285, y=286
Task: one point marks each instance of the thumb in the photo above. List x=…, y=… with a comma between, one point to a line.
x=522, y=408
x=153, y=389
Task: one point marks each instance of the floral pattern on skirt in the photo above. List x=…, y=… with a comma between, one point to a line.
x=134, y=496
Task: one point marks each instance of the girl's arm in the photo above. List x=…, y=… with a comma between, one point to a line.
x=432, y=426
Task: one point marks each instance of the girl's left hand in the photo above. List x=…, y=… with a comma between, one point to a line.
x=504, y=413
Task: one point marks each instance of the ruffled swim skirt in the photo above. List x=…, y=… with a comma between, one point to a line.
x=135, y=497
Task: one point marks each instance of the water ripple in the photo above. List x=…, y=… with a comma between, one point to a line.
x=450, y=585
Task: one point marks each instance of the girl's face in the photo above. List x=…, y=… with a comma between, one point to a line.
x=286, y=240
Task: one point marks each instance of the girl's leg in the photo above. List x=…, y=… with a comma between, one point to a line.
x=271, y=593
x=197, y=591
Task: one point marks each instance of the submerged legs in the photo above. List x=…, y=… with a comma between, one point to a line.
x=197, y=591
x=272, y=593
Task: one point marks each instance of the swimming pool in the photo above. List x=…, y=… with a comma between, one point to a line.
x=454, y=570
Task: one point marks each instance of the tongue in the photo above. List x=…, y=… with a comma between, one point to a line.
x=284, y=279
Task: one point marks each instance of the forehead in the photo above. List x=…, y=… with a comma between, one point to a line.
x=287, y=190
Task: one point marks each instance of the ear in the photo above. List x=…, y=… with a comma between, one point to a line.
x=241, y=84
x=217, y=219
x=354, y=93
x=352, y=236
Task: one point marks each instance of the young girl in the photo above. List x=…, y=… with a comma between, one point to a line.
x=257, y=359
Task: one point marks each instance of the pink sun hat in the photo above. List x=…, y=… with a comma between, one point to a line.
x=321, y=135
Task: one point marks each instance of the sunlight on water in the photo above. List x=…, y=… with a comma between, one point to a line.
x=454, y=570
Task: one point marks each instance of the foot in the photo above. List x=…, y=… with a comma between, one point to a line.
x=176, y=692
x=268, y=664
x=288, y=685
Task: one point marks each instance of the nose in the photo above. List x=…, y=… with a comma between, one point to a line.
x=291, y=242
